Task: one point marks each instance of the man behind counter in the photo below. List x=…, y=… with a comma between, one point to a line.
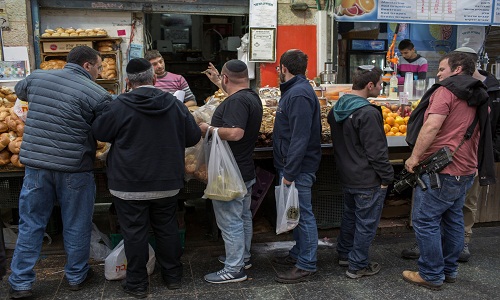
x=410, y=61
x=168, y=81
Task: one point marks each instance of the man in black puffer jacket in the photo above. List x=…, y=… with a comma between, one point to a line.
x=58, y=150
x=149, y=130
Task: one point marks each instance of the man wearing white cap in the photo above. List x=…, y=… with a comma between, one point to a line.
x=470, y=205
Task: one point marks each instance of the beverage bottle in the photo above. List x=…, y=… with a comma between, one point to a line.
x=393, y=87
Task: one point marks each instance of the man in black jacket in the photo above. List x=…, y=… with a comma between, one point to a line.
x=362, y=159
x=149, y=130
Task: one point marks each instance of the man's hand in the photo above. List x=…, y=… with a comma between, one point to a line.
x=286, y=182
x=213, y=74
x=410, y=163
x=204, y=128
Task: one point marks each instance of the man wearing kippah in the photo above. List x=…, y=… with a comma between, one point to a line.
x=58, y=151
x=149, y=130
x=237, y=121
x=470, y=205
x=297, y=155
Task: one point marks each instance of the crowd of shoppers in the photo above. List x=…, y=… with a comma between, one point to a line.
x=145, y=166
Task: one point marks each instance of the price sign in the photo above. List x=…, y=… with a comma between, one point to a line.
x=403, y=98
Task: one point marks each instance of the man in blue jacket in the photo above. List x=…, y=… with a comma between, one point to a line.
x=297, y=154
x=58, y=150
x=149, y=130
x=362, y=160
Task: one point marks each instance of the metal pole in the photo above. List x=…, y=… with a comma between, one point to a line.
x=35, y=25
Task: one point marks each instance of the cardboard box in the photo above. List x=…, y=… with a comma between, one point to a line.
x=63, y=46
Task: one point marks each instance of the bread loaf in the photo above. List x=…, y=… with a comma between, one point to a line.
x=105, y=49
x=15, y=145
x=4, y=157
x=14, y=159
x=4, y=140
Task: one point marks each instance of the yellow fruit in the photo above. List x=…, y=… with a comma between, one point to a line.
x=399, y=120
x=394, y=129
x=406, y=120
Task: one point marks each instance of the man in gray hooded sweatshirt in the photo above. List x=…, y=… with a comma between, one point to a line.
x=362, y=160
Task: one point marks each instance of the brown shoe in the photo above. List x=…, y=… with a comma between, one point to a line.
x=414, y=278
x=294, y=275
x=285, y=260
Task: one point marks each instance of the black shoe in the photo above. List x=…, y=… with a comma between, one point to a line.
x=15, y=294
x=77, y=287
x=173, y=285
x=137, y=293
x=285, y=260
x=412, y=253
x=294, y=275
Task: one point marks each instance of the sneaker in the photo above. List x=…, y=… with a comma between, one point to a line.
x=248, y=263
x=285, y=260
x=224, y=276
x=137, y=293
x=449, y=279
x=412, y=253
x=19, y=294
x=465, y=254
x=414, y=278
x=343, y=261
x=372, y=269
x=77, y=287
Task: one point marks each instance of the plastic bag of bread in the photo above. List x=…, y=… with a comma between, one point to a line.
x=102, y=150
x=195, y=163
x=4, y=157
x=21, y=109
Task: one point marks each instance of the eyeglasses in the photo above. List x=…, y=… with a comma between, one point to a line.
x=366, y=67
x=99, y=68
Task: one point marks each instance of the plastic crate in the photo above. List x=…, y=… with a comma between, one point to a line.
x=264, y=180
x=10, y=188
x=116, y=238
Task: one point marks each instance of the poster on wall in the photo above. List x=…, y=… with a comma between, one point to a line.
x=470, y=36
x=263, y=13
x=262, y=45
x=470, y=12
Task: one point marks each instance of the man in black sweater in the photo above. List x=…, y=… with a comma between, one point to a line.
x=149, y=131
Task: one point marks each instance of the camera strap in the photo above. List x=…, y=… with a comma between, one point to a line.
x=468, y=133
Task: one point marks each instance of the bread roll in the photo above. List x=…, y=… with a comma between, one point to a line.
x=105, y=44
x=4, y=140
x=105, y=49
x=11, y=97
x=4, y=157
x=73, y=34
x=20, y=129
x=14, y=159
x=3, y=115
x=79, y=30
x=15, y=145
x=3, y=127
x=5, y=90
x=60, y=30
x=56, y=34
x=49, y=31
x=91, y=33
x=83, y=34
x=70, y=30
x=102, y=32
x=64, y=34
x=46, y=34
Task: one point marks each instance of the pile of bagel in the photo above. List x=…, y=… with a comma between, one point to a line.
x=11, y=129
x=71, y=32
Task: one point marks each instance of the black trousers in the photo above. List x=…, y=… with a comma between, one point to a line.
x=2, y=254
x=135, y=218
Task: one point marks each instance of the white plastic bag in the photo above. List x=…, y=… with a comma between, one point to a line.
x=99, y=251
x=224, y=177
x=21, y=109
x=287, y=207
x=115, y=265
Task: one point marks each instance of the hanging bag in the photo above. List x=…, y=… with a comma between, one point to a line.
x=224, y=177
x=287, y=207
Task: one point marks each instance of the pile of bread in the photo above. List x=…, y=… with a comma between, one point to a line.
x=52, y=64
x=11, y=129
x=108, y=68
x=71, y=32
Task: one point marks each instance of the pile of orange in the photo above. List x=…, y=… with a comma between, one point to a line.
x=394, y=124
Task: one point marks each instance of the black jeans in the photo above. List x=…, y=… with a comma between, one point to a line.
x=135, y=217
x=2, y=254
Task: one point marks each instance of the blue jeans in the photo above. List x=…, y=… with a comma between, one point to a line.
x=362, y=210
x=234, y=219
x=75, y=193
x=438, y=212
x=306, y=232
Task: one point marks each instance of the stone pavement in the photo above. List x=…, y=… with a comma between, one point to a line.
x=477, y=279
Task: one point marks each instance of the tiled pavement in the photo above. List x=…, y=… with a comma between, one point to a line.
x=478, y=279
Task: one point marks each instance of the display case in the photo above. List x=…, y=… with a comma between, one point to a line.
x=55, y=50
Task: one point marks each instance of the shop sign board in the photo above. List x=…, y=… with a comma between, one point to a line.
x=459, y=12
x=263, y=13
x=262, y=45
x=63, y=46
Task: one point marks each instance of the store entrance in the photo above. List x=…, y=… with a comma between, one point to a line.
x=189, y=42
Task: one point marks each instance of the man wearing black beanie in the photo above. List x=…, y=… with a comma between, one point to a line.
x=149, y=130
x=237, y=121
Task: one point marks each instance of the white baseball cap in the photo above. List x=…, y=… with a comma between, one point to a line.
x=465, y=50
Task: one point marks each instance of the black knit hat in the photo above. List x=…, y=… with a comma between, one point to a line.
x=138, y=65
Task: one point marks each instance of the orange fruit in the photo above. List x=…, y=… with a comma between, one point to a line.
x=386, y=110
x=384, y=115
x=394, y=129
x=366, y=5
x=399, y=120
x=398, y=134
x=390, y=133
x=389, y=120
x=402, y=128
x=387, y=128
